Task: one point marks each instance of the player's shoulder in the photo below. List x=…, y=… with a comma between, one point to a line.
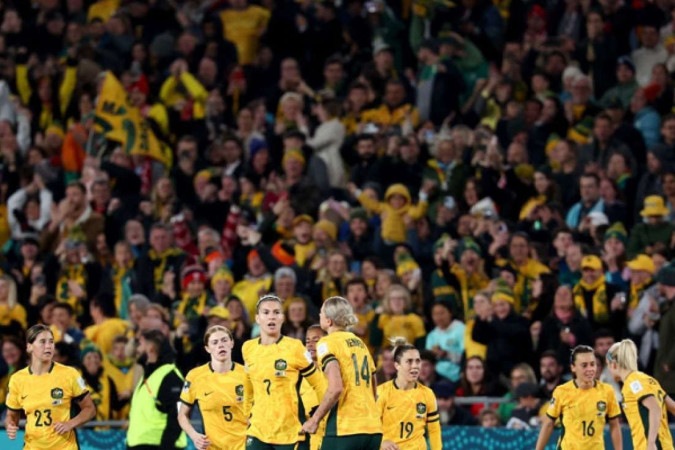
x=20, y=375
x=290, y=343
x=425, y=390
x=250, y=345
x=639, y=384
x=198, y=372
x=384, y=389
x=65, y=371
x=605, y=387
x=564, y=388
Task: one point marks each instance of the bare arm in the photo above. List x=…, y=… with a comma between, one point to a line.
x=12, y=423
x=544, y=433
x=200, y=440
x=654, y=418
x=615, y=433
x=87, y=412
x=335, y=388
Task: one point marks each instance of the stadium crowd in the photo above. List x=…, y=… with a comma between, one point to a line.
x=493, y=180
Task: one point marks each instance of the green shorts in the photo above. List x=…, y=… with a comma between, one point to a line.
x=352, y=442
x=256, y=444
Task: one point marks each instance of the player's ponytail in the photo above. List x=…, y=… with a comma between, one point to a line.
x=340, y=312
x=624, y=354
x=400, y=346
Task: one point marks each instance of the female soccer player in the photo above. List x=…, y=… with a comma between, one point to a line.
x=408, y=409
x=274, y=364
x=583, y=406
x=45, y=391
x=220, y=388
x=309, y=398
x=645, y=402
x=353, y=422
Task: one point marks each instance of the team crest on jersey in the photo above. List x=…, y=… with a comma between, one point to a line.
x=421, y=410
x=602, y=406
x=57, y=393
x=280, y=366
x=249, y=442
x=552, y=401
x=186, y=386
x=239, y=391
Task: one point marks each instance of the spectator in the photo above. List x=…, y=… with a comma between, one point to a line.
x=475, y=381
x=654, y=231
x=503, y=332
x=446, y=341
x=664, y=360
x=551, y=371
x=651, y=52
x=448, y=410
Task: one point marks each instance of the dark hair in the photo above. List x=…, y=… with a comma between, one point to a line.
x=157, y=338
x=591, y=175
x=67, y=307
x=77, y=184
x=16, y=342
x=316, y=326
x=106, y=303
x=550, y=354
x=400, y=347
x=34, y=331
x=578, y=350
x=602, y=333
x=428, y=355
x=355, y=282
x=335, y=59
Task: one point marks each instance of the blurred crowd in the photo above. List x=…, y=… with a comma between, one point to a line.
x=493, y=180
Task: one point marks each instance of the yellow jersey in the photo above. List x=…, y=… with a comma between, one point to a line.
x=356, y=410
x=636, y=387
x=105, y=333
x=275, y=372
x=221, y=398
x=408, y=415
x=583, y=414
x=46, y=399
x=311, y=401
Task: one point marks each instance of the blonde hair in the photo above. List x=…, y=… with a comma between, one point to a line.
x=340, y=312
x=396, y=288
x=215, y=329
x=624, y=354
x=12, y=296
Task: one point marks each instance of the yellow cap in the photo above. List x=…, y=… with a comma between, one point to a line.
x=591, y=262
x=642, y=262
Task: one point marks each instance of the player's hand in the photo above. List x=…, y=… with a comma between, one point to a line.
x=63, y=427
x=388, y=445
x=11, y=428
x=201, y=441
x=310, y=426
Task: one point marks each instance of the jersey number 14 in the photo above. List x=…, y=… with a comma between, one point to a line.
x=362, y=372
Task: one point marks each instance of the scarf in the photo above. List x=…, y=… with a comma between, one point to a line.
x=160, y=260
x=78, y=274
x=636, y=291
x=121, y=278
x=598, y=303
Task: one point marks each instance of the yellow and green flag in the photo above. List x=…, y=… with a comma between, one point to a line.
x=119, y=121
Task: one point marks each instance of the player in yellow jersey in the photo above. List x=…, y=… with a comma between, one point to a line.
x=45, y=391
x=274, y=365
x=309, y=397
x=219, y=387
x=645, y=404
x=583, y=406
x=408, y=408
x=349, y=403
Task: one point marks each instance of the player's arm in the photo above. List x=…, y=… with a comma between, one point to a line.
x=200, y=440
x=615, y=433
x=315, y=379
x=330, y=398
x=434, y=424
x=12, y=423
x=670, y=405
x=87, y=412
x=545, y=433
x=654, y=409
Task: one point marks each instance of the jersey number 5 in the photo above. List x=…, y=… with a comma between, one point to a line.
x=41, y=421
x=227, y=414
x=363, y=373
x=587, y=428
